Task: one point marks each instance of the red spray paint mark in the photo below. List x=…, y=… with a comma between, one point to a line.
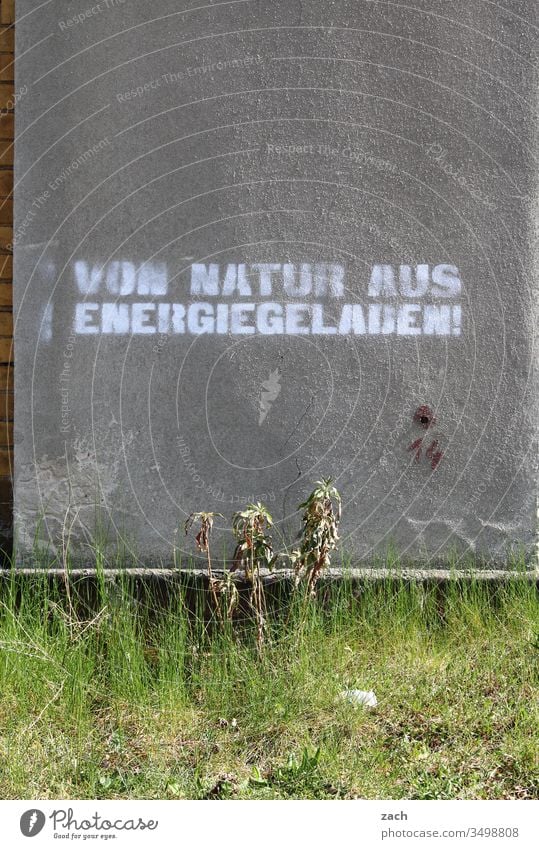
x=434, y=454
x=425, y=418
x=416, y=446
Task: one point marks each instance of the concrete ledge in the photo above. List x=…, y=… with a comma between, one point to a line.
x=332, y=575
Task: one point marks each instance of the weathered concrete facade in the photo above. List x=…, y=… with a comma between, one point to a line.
x=258, y=243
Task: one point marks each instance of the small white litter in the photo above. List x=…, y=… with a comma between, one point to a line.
x=360, y=697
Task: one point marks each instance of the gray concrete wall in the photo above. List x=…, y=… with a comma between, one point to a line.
x=258, y=243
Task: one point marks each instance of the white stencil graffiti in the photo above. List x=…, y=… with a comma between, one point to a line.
x=443, y=282
x=271, y=389
x=122, y=278
x=402, y=300
x=298, y=281
x=266, y=319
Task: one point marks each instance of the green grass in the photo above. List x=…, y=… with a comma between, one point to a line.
x=151, y=703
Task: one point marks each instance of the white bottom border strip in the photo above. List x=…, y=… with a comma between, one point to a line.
x=238, y=824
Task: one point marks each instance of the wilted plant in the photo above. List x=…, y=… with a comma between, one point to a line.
x=219, y=588
x=321, y=517
x=254, y=549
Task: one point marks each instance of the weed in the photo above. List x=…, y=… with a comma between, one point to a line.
x=221, y=589
x=254, y=549
x=321, y=517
